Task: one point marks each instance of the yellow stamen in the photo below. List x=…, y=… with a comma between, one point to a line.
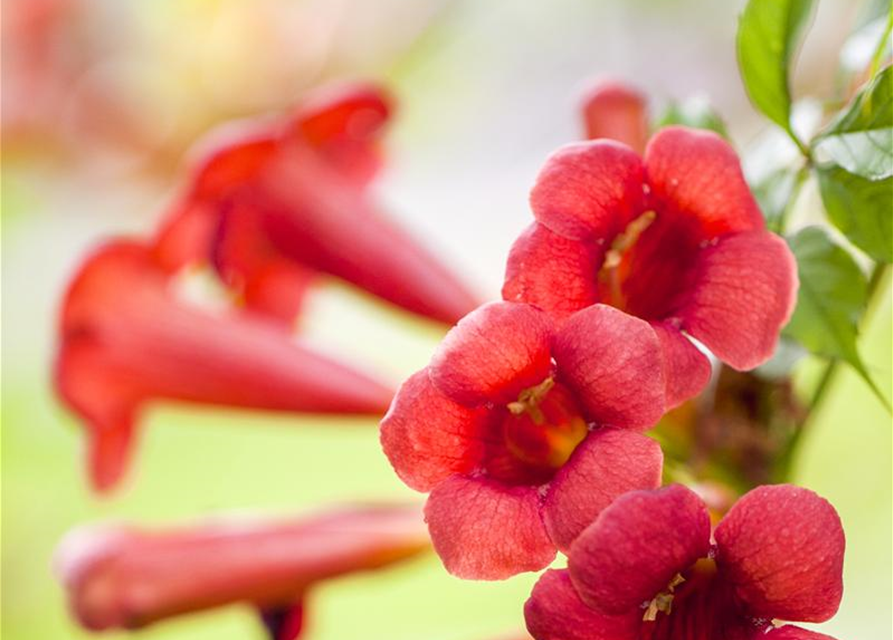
x=622, y=243
x=528, y=401
x=663, y=602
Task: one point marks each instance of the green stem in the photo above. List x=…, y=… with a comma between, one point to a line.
x=804, y=149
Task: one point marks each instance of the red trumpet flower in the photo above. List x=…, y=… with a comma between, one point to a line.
x=646, y=570
x=119, y=577
x=306, y=174
x=676, y=239
x=126, y=339
x=616, y=111
x=523, y=432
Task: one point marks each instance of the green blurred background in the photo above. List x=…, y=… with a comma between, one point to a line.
x=100, y=100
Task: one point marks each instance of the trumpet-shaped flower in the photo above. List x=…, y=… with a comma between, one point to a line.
x=614, y=110
x=126, y=578
x=304, y=176
x=524, y=430
x=647, y=569
x=126, y=339
x=676, y=239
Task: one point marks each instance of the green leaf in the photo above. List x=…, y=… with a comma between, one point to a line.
x=862, y=209
x=860, y=139
x=695, y=112
x=833, y=295
x=769, y=33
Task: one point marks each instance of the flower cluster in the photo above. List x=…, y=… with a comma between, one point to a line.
x=270, y=206
x=524, y=426
x=527, y=426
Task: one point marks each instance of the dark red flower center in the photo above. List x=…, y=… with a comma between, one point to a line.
x=696, y=605
x=648, y=266
x=538, y=432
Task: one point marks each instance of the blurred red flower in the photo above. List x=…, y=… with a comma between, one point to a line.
x=614, y=110
x=676, y=239
x=523, y=431
x=119, y=577
x=126, y=339
x=273, y=203
x=646, y=570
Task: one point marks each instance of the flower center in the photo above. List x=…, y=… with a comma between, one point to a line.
x=695, y=605
x=540, y=431
x=609, y=276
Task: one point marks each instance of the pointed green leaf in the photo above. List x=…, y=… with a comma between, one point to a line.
x=862, y=209
x=861, y=139
x=769, y=33
x=832, y=298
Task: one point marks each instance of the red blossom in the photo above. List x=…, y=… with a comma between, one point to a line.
x=274, y=203
x=646, y=569
x=524, y=430
x=614, y=110
x=120, y=577
x=675, y=238
x=126, y=339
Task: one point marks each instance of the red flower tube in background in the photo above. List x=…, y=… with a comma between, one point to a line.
x=274, y=202
x=121, y=577
x=614, y=110
x=126, y=339
x=648, y=569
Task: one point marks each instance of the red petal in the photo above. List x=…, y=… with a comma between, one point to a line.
x=551, y=272
x=493, y=354
x=744, y=292
x=613, y=362
x=226, y=159
x=277, y=290
x=616, y=111
x=318, y=218
x=343, y=123
x=348, y=110
x=607, y=464
x=268, y=283
x=589, y=190
x=125, y=578
x=637, y=545
x=484, y=530
x=555, y=612
x=782, y=549
x=110, y=447
x=696, y=178
x=185, y=235
x=789, y=632
x=125, y=339
x=687, y=370
x=428, y=437
x=231, y=156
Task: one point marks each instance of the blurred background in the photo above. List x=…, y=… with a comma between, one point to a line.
x=100, y=100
